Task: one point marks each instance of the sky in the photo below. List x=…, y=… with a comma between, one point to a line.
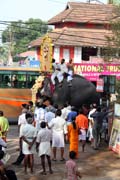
x=11, y=10
x=14, y=10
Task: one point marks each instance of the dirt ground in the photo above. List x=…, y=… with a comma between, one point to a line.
x=94, y=165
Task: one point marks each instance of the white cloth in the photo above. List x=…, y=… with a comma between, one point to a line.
x=89, y=133
x=70, y=75
x=3, y=143
x=65, y=112
x=58, y=124
x=91, y=112
x=29, y=132
x=22, y=119
x=39, y=116
x=63, y=69
x=21, y=122
x=43, y=138
x=83, y=135
x=49, y=116
x=58, y=139
x=59, y=128
x=55, y=73
x=44, y=149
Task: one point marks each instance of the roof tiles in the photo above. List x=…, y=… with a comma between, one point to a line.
x=76, y=37
x=83, y=13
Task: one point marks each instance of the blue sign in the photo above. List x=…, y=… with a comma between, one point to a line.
x=34, y=63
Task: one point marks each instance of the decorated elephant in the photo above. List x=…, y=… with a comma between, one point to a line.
x=81, y=92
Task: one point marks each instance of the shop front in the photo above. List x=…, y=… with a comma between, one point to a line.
x=102, y=75
x=92, y=72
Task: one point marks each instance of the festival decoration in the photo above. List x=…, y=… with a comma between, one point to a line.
x=36, y=86
x=46, y=54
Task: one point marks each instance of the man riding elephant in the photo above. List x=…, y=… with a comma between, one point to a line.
x=81, y=92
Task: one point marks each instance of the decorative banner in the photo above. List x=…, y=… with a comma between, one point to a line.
x=46, y=54
x=117, y=110
x=100, y=85
x=114, y=143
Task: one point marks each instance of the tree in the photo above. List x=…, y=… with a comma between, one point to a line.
x=20, y=34
x=112, y=51
x=4, y=52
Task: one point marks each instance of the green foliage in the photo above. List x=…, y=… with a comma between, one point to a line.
x=113, y=49
x=4, y=51
x=20, y=34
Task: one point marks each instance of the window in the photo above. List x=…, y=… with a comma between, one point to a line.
x=57, y=53
x=77, y=54
x=66, y=54
x=87, y=52
x=17, y=79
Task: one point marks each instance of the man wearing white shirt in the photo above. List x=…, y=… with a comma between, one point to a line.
x=39, y=115
x=63, y=70
x=49, y=116
x=65, y=112
x=22, y=119
x=56, y=71
x=91, y=121
x=59, y=128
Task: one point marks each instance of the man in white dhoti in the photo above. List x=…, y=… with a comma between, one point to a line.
x=43, y=146
x=56, y=70
x=59, y=128
x=63, y=70
x=28, y=134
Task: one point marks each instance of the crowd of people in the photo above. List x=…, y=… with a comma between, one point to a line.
x=45, y=127
x=5, y=173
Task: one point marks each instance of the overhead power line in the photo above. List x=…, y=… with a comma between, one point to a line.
x=71, y=35
x=12, y=25
x=21, y=22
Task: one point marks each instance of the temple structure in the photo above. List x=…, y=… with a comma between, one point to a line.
x=79, y=33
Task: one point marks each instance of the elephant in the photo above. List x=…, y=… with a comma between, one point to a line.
x=81, y=92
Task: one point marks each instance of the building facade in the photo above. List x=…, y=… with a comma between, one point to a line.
x=80, y=33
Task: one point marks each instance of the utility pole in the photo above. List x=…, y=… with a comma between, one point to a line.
x=10, y=60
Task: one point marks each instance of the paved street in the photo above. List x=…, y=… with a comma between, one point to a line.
x=94, y=165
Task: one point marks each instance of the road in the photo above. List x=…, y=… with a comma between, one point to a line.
x=94, y=165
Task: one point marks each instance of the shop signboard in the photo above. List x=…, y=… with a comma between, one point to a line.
x=92, y=71
x=34, y=63
x=100, y=85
